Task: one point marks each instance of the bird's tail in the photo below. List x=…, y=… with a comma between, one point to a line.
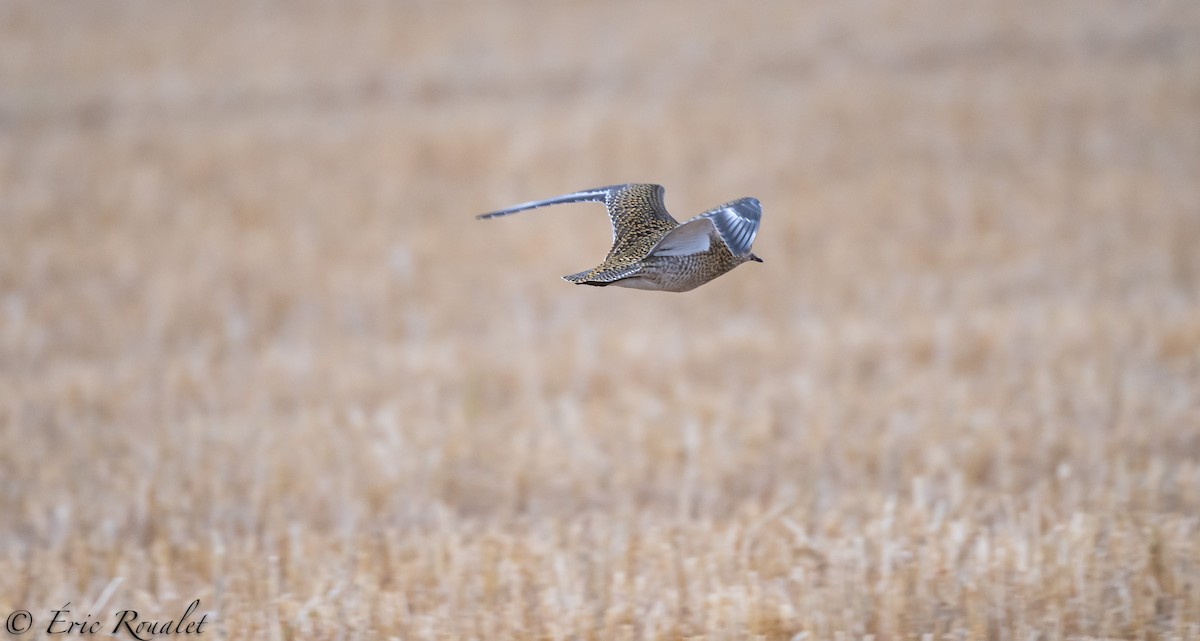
x=601, y=277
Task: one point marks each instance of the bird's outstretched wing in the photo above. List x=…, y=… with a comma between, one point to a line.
x=736, y=222
x=635, y=210
x=588, y=195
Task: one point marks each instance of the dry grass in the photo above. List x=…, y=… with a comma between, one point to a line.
x=255, y=350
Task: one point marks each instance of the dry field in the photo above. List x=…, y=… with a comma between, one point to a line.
x=255, y=350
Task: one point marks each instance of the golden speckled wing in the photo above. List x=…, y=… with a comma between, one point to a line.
x=635, y=210
x=639, y=220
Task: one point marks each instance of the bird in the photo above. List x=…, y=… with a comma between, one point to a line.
x=650, y=249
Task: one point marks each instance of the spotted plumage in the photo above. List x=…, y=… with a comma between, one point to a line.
x=651, y=250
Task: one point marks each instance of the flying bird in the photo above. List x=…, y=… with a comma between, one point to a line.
x=650, y=249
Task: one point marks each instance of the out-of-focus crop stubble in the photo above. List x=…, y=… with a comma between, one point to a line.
x=254, y=348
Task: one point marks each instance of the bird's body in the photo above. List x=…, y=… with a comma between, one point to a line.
x=651, y=250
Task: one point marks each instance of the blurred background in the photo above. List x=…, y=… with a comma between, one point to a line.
x=255, y=348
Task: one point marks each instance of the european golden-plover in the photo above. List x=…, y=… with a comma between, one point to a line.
x=651, y=250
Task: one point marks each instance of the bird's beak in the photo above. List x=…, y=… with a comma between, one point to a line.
x=755, y=258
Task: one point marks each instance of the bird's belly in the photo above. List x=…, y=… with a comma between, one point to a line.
x=678, y=273
x=639, y=282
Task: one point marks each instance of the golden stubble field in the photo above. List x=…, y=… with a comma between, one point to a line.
x=255, y=350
